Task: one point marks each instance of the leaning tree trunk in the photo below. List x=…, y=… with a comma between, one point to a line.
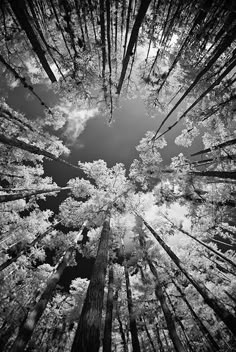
x=219, y=174
x=34, y=315
x=167, y=313
x=222, y=256
x=215, y=147
x=109, y=311
x=87, y=336
x=206, y=333
x=133, y=39
x=14, y=142
x=27, y=247
x=223, y=313
x=10, y=197
x=20, y=11
x=132, y=320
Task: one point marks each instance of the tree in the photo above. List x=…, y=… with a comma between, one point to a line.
x=87, y=335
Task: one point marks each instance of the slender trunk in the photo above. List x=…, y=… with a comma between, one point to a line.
x=10, y=197
x=109, y=311
x=132, y=320
x=222, y=256
x=210, y=88
x=202, y=327
x=103, y=36
x=87, y=336
x=33, y=149
x=127, y=26
x=34, y=315
x=178, y=320
x=19, y=9
x=27, y=247
x=215, y=147
x=10, y=175
x=159, y=339
x=223, y=313
x=149, y=336
x=218, y=174
x=167, y=313
x=23, y=82
x=121, y=330
x=218, y=52
x=133, y=39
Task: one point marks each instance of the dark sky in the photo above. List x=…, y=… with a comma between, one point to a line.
x=114, y=143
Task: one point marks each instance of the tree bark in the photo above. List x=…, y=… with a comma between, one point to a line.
x=11, y=197
x=33, y=149
x=222, y=256
x=218, y=174
x=133, y=38
x=221, y=48
x=19, y=10
x=167, y=313
x=27, y=247
x=223, y=313
x=202, y=327
x=132, y=320
x=34, y=315
x=109, y=311
x=87, y=336
x=215, y=147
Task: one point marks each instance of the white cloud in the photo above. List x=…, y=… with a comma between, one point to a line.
x=76, y=122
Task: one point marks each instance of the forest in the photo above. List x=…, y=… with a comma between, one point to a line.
x=117, y=176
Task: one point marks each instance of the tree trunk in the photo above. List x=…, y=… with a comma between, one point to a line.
x=219, y=174
x=87, y=336
x=133, y=38
x=216, y=54
x=209, y=89
x=204, y=244
x=132, y=320
x=33, y=149
x=121, y=330
x=27, y=247
x=34, y=315
x=223, y=313
x=109, y=311
x=202, y=327
x=215, y=147
x=167, y=313
x=149, y=336
x=20, y=11
x=10, y=197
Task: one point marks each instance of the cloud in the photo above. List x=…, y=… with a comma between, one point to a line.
x=76, y=122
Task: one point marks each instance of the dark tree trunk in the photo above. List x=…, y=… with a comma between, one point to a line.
x=209, y=89
x=121, y=330
x=149, y=336
x=27, y=247
x=87, y=336
x=202, y=327
x=109, y=311
x=218, y=174
x=33, y=149
x=19, y=10
x=133, y=39
x=132, y=320
x=10, y=197
x=167, y=313
x=215, y=147
x=217, y=53
x=34, y=315
x=223, y=313
x=219, y=254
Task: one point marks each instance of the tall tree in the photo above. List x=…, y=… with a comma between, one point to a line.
x=87, y=336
